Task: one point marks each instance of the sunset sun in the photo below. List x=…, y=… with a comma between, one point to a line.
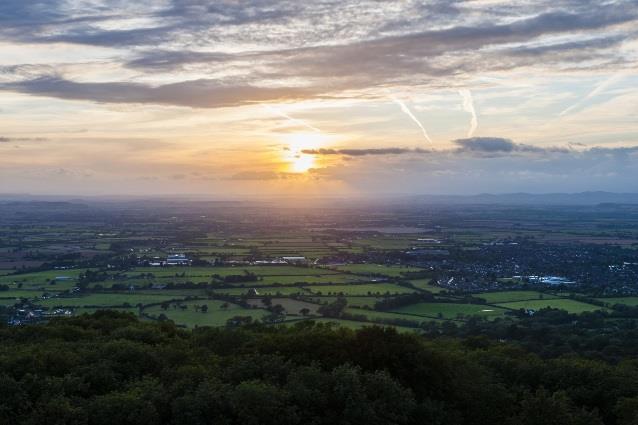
x=296, y=144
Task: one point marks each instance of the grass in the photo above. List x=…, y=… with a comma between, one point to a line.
x=353, y=301
x=226, y=271
x=378, y=269
x=365, y=289
x=630, y=301
x=330, y=278
x=90, y=310
x=291, y=306
x=106, y=300
x=374, y=316
x=511, y=296
x=354, y=325
x=216, y=315
x=426, y=284
x=277, y=290
x=41, y=276
x=571, y=306
x=451, y=310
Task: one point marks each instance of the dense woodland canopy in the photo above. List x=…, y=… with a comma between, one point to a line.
x=110, y=368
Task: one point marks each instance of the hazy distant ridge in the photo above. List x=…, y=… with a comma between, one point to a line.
x=582, y=198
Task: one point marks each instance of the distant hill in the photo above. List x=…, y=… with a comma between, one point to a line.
x=582, y=198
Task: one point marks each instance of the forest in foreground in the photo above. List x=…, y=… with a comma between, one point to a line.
x=111, y=368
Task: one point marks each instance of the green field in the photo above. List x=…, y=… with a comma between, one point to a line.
x=106, y=300
x=45, y=280
x=291, y=306
x=451, y=310
x=330, y=278
x=226, y=271
x=426, y=284
x=90, y=310
x=571, y=306
x=41, y=277
x=277, y=290
x=381, y=316
x=377, y=269
x=365, y=289
x=353, y=301
x=215, y=316
x=351, y=324
x=630, y=301
x=510, y=296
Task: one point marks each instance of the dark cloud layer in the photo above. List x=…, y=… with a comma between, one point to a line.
x=4, y=139
x=458, y=39
x=498, y=145
x=197, y=93
x=481, y=147
x=364, y=152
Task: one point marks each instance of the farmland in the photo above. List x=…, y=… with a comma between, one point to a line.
x=450, y=310
x=407, y=268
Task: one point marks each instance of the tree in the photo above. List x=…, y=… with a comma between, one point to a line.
x=204, y=308
x=334, y=309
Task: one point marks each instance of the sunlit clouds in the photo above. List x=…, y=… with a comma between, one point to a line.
x=332, y=97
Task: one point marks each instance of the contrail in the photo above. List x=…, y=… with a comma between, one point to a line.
x=288, y=117
x=468, y=106
x=409, y=113
x=595, y=92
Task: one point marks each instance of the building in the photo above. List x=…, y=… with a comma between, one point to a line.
x=177, y=260
x=294, y=260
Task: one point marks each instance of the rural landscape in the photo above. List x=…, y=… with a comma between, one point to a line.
x=226, y=264
x=406, y=311
x=329, y=212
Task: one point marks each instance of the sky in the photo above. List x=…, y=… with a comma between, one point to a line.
x=324, y=98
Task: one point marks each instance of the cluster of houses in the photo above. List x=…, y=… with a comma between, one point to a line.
x=171, y=260
x=23, y=316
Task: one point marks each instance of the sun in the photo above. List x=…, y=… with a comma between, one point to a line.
x=302, y=163
x=297, y=143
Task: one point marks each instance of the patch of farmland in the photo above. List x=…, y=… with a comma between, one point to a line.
x=378, y=269
x=270, y=291
x=353, y=301
x=510, y=296
x=426, y=284
x=105, y=300
x=571, y=306
x=378, y=289
x=330, y=278
x=451, y=310
x=381, y=316
x=216, y=315
x=292, y=306
x=354, y=325
x=630, y=301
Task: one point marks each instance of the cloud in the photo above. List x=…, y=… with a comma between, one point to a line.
x=263, y=175
x=4, y=139
x=365, y=152
x=510, y=169
x=499, y=145
x=486, y=144
x=409, y=113
x=601, y=87
x=468, y=106
x=295, y=121
x=270, y=50
x=195, y=93
x=474, y=146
